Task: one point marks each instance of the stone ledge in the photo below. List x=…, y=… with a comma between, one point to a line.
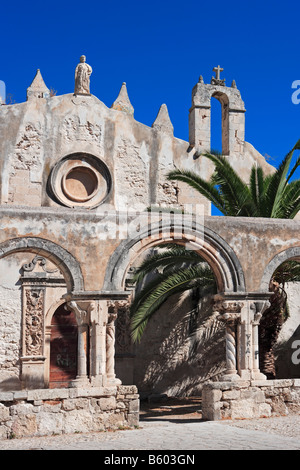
x=128, y=391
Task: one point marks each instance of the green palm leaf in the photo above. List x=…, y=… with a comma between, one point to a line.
x=172, y=255
x=152, y=297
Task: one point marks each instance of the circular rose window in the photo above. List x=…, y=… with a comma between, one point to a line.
x=80, y=180
x=80, y=184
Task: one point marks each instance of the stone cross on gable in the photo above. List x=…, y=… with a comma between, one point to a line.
x=218, y=70
x=216, y=80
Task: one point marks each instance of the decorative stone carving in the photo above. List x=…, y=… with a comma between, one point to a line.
x=217, y=80
x=34, y=322
x=110, y=342
x=230, y=314
x=28, y=267
x=258, y=309
x=82, y=318
x=123, y=339
x=82, y=77
x=83, y=131
x=80, y=180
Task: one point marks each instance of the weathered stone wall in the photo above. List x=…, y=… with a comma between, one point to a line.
x=250, y=399
x=88, y=238
x=138, y=157
x=59, y=411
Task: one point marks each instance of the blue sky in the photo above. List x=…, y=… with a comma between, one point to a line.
x=159, y=49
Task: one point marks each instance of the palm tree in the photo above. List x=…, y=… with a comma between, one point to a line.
x=171, y=270
x=178, y=270
x=272, y=196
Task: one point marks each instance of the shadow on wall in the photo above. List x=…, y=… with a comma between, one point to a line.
x=11, y=383
x=183, y=347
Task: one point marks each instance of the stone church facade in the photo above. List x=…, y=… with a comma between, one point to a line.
x=77, y=181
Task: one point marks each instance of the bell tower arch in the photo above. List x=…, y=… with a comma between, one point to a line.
x=233, y=115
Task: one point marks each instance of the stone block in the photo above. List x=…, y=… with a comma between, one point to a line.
x=80, y=421
x=6, y=396
x=48, y=394
x=231, y=395
x=264, y=410
x=261, y=383
x=115, y=420
x=243, y=409
x=49, y=423
x=107, y=404
x=51, y=407
x=278, y=406
x=256, y=395
x=127, y=389
x=133, y=419
x=283, y=383
x=21, y=409
x=20, y=395
x=134, y=406
x=4, y=413
x=69, y=404
x=24, y=425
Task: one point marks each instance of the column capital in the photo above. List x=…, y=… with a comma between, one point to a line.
x=82, y=311
x=229, y=310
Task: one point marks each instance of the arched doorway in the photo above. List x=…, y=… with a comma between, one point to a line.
x=63, y=348
x=175, y=348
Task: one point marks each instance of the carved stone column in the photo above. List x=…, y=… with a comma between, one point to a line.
x=110, y=343
x=230, y=314
x=258, y=309
x=98, y=320
x=82, y=317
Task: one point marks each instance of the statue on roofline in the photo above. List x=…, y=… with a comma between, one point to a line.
x=82, y=77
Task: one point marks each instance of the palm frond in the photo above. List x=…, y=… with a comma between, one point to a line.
x=289, y=271
x=167, y=256
x=148, y=301
x=206, y=188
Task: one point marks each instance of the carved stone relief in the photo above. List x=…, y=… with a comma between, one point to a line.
x=132, y=174
x=34, y=321
x=75, y=130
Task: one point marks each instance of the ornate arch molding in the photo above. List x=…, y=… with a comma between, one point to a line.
x=59, y=256
x=290, y=253
x=222, y=259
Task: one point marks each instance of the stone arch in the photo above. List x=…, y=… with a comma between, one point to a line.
x=276, y=261
x=222, y=259
x=66, y=262
x=224, y=102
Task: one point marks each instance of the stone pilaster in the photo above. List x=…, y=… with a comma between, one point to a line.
x=230, y=314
